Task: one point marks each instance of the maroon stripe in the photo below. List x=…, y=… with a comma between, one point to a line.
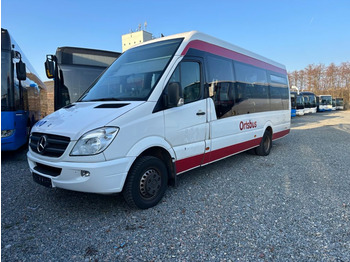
x=221, y=51
x=231, y=150
x=198, y=160
x=188, y=163
x=280, y=134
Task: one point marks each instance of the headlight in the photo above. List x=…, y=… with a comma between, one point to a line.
x=7, y=133
x=94, y=142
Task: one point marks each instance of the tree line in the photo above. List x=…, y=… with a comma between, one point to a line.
x=331, y=80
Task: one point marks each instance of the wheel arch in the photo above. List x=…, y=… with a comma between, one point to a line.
x=157, y=147
x=267, y=126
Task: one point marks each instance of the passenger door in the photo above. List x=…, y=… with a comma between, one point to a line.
x=186, y=125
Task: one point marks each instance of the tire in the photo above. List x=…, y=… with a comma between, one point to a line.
x=265, y=145
x=146, y=182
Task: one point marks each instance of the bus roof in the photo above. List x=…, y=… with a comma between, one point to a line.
x=307, y=93
x=85, y=56
x=80, y=50
x=204, y=42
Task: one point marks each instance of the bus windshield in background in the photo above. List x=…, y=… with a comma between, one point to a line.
x=300, y=102
x=339, y=101
x=77, y=68
x=134, y=75
x=77, y=79
x=312, y=100
x=326, y=100
x=306, y=101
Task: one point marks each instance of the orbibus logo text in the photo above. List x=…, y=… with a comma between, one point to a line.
x=247, y=125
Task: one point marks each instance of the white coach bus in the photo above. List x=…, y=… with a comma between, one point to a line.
x=164, y=107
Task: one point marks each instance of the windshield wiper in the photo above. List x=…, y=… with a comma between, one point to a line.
x=102, y=99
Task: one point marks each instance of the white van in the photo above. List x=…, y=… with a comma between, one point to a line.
x=164, y=107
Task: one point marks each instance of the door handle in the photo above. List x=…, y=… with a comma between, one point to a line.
x=200, y=113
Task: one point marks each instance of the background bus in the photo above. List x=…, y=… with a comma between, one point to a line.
x=334, y=107
x=293, y=102
x=300, y=105
x=309, y=102
x=74, y=70
x=324, y=103
x=339, y=103
x=20, y=94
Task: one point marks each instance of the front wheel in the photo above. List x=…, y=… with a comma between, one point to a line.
x=146, y=182
x=265, y=145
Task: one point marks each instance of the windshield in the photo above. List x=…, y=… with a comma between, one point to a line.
x=75, y=80
x=312, y=100
x=300, y=102
x=134, y=75
x=326, y=100
x=339, y=102
x=306, y=101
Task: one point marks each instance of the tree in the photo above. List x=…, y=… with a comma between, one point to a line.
x=333, y=79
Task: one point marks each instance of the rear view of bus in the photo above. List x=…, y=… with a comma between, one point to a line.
x=20, y=94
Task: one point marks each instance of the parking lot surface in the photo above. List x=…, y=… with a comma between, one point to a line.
x=293, y=205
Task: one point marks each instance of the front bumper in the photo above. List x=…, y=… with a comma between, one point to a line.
x=105, y=177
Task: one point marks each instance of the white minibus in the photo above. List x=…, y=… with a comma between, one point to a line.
x=162, y=108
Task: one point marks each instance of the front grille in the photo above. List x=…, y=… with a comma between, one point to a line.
x=54, y=146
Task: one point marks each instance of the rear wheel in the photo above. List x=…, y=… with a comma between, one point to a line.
x=265, y=145
x=146, y=182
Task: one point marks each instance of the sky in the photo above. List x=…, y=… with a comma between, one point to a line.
x=295, y=33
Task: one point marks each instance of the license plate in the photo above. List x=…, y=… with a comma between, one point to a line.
x=44, y=181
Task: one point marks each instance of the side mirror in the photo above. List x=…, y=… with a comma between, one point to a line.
x=49, y=67
x=174, y=97
x=21, y=70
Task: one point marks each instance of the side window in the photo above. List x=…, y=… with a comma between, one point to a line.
x=190, y=81
x=187, y=75
x=252, y=87
x=221, y=85
x=279, y=92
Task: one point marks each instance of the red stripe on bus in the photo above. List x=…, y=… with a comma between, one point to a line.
x=202, y=159
x=280, y=134
x=221, y=51
x=188, y=163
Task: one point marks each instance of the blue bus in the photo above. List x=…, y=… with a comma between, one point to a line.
x=20, y=95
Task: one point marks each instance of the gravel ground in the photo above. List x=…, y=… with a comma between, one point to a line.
x=293, y=205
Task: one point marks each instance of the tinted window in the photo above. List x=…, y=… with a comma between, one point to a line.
x=252, y=89
x=221, y=81
x=219, y=69
x=250, y=74
x=187, y=74
x=278, y=79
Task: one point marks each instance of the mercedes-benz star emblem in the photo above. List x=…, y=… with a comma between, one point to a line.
x=42, y=143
